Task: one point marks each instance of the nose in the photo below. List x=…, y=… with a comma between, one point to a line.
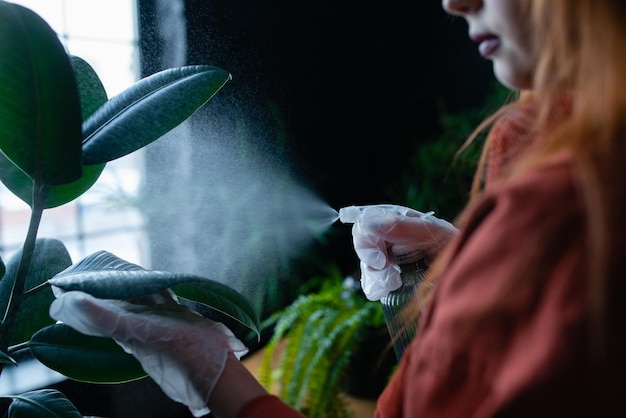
x=461, y=7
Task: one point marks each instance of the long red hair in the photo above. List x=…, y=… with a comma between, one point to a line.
x=581, y=55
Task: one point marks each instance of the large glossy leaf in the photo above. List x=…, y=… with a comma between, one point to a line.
x=106, y=276
x=84, y=358
x=40, y=123
x=90, y=89
x=22, y=186
x=7, y=359
x=221, y=298
x=49, y=258
x=92, y=95
x=147, y=110
x=46, y=403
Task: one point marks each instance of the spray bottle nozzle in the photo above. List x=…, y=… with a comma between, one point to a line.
x=400, y=254
x=349, y=214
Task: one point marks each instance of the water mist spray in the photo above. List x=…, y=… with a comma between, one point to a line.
x=412, y=271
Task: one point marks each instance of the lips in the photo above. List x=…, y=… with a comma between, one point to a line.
x=487, y=43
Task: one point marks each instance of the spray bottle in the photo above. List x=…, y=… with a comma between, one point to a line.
x=412, y=270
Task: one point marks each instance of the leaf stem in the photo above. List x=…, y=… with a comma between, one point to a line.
x=40, y=193
x=17, y=347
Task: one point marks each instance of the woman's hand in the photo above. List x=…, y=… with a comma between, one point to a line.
x=381, y=232
x=184, y=353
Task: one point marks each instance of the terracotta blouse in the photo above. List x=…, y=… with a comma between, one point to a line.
x=526, y=355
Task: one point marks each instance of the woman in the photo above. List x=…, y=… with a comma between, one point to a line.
x=525, y=318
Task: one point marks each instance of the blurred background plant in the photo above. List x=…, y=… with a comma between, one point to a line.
x=436, y=177
x=319, y=341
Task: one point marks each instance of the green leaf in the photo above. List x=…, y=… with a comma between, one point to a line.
x=49, y=258
x=64, y=193
x=221, y=298
x=147, y=110
x=248, y=336
x=2, y=268
x=40, y=124
x=46, y=403
x=90, y=89
x=92, y=95
x=84, y=358
x=22, y=186
x=7, y=359
x=106, y=276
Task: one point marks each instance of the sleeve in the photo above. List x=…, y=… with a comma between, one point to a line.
x=268, y=406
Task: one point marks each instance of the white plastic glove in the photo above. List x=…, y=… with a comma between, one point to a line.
x=183, y=352
x=382, y=231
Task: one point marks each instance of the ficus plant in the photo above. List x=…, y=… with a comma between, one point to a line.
x=58, y=129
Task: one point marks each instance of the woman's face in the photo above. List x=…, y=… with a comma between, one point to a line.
x=503, y=36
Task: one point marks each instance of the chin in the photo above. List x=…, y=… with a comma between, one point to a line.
x=515, y=80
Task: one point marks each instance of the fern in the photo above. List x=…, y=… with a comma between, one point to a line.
x=346, y=337
x=319, y=333
x=349, y=337
x=318, y=324
x=284, y=321
x=320, y=359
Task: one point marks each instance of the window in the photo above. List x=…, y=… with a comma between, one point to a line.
x=104, y=33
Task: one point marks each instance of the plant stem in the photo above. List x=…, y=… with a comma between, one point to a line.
x=15, y=348
x=40, y=193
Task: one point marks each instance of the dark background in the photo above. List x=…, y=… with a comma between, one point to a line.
x=355, y=83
